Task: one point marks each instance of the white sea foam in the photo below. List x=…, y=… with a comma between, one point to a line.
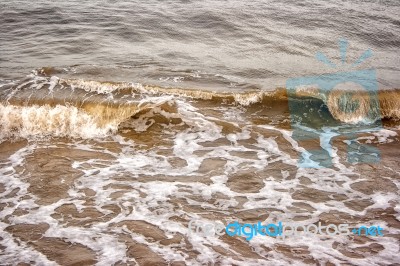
x=145, y=184
x=59, y=121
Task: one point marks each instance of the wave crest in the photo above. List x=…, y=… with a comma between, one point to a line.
x=48, y=105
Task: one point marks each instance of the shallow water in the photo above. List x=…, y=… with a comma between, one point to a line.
x=121, y=122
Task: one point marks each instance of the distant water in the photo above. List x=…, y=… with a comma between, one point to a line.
x=121, y=121
x=257, y=43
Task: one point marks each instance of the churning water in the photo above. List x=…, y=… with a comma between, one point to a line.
x=121, y=121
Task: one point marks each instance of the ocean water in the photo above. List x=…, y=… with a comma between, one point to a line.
x=122, y=121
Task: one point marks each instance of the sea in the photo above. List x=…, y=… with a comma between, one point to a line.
x=126, y=124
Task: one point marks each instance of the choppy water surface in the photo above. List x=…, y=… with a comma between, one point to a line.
x=121, y=121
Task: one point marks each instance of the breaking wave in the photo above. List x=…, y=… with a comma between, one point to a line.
x=44, y=105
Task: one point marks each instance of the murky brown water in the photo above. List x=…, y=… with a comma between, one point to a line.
x=127, y=198
x=125, y=124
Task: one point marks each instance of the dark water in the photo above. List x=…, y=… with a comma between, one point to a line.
x=257, y=43
x=122, y=121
